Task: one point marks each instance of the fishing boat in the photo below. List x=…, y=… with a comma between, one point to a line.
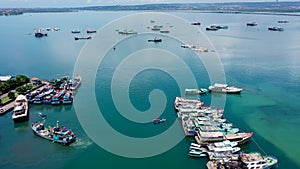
x=240, y=138
x=257, y=161
x=68, y=98
x=275, y=28
x=188, y=46
x=91, y=31
x=127, y=32
x=251, y=24
x=43, y=115
x=155, y=40
x=57, y=98
x=224, y=88
x=56, y=134
x=196, y=91
x=283, y=21
x=196, y=153
x=76, y=81
x=159, y=120
x=211, y=29
x=225, y=149
x=164, y=31
x=38, y=100
x=205, y=138
x=224, y=156
x=75, y=31
x=47, y=99
x=20, y=111
x=82, y=38
x=216, y=164
x=196, y=23
x=30, y=96
x=155, y=29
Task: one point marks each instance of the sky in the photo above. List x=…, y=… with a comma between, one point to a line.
x=76, y=3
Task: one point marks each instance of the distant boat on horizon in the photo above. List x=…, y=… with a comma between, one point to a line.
x=251, y=24
x=274, y=28
x=75, y=31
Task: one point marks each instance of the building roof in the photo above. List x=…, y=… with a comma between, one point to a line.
x=5, y=78
x=34, y=79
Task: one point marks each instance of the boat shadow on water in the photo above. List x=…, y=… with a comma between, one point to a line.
x=21, y=127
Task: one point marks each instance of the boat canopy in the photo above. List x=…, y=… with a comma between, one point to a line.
x=220, y=85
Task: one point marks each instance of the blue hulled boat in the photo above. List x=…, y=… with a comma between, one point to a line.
x=56, y=134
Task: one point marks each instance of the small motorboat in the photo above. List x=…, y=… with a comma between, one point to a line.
x=211, y=29
x=43, y=115
x=81, y=38
x=251, y=24
x=196, y=23
x=275, y=28
x=75, y=31
x=91, y=31
x=155, y=40
x=197, y=153
x=159, y=120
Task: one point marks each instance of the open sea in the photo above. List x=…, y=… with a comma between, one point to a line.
x=266, y=64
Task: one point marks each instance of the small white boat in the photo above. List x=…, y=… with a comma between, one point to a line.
x=195, y=153
x=127, y=32
x=224, y=88
x=256, y=160
x=196, y=91
x=195, y=145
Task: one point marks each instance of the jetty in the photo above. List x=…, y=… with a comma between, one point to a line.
x=10, y=105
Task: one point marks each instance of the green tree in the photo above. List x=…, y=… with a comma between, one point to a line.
x=4, y=87
x=22, y=79
x=11, y=95
x=12, y=84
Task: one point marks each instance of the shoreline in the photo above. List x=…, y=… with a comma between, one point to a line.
x=259, y=8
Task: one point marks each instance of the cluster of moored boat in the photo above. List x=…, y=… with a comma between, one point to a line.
x=154, y=28
x=216, y=27
x=56, y=134
x=274, y=28
x=86, y=37
x=59, y=91
x=216, y=138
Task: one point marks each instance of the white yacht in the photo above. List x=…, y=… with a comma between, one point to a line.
x=20, y=112
x=257, y=161
x=224, y=88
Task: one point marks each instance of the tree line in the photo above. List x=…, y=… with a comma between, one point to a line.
x=13, y=83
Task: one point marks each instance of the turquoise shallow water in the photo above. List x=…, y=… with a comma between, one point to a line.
x=264, y=63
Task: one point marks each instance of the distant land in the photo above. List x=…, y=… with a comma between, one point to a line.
x=231, y=7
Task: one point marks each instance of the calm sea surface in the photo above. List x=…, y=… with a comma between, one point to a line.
x=265, y=63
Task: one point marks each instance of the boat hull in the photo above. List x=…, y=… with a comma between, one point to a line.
x=227, y=92
x=21, y=119
x=63, y=142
